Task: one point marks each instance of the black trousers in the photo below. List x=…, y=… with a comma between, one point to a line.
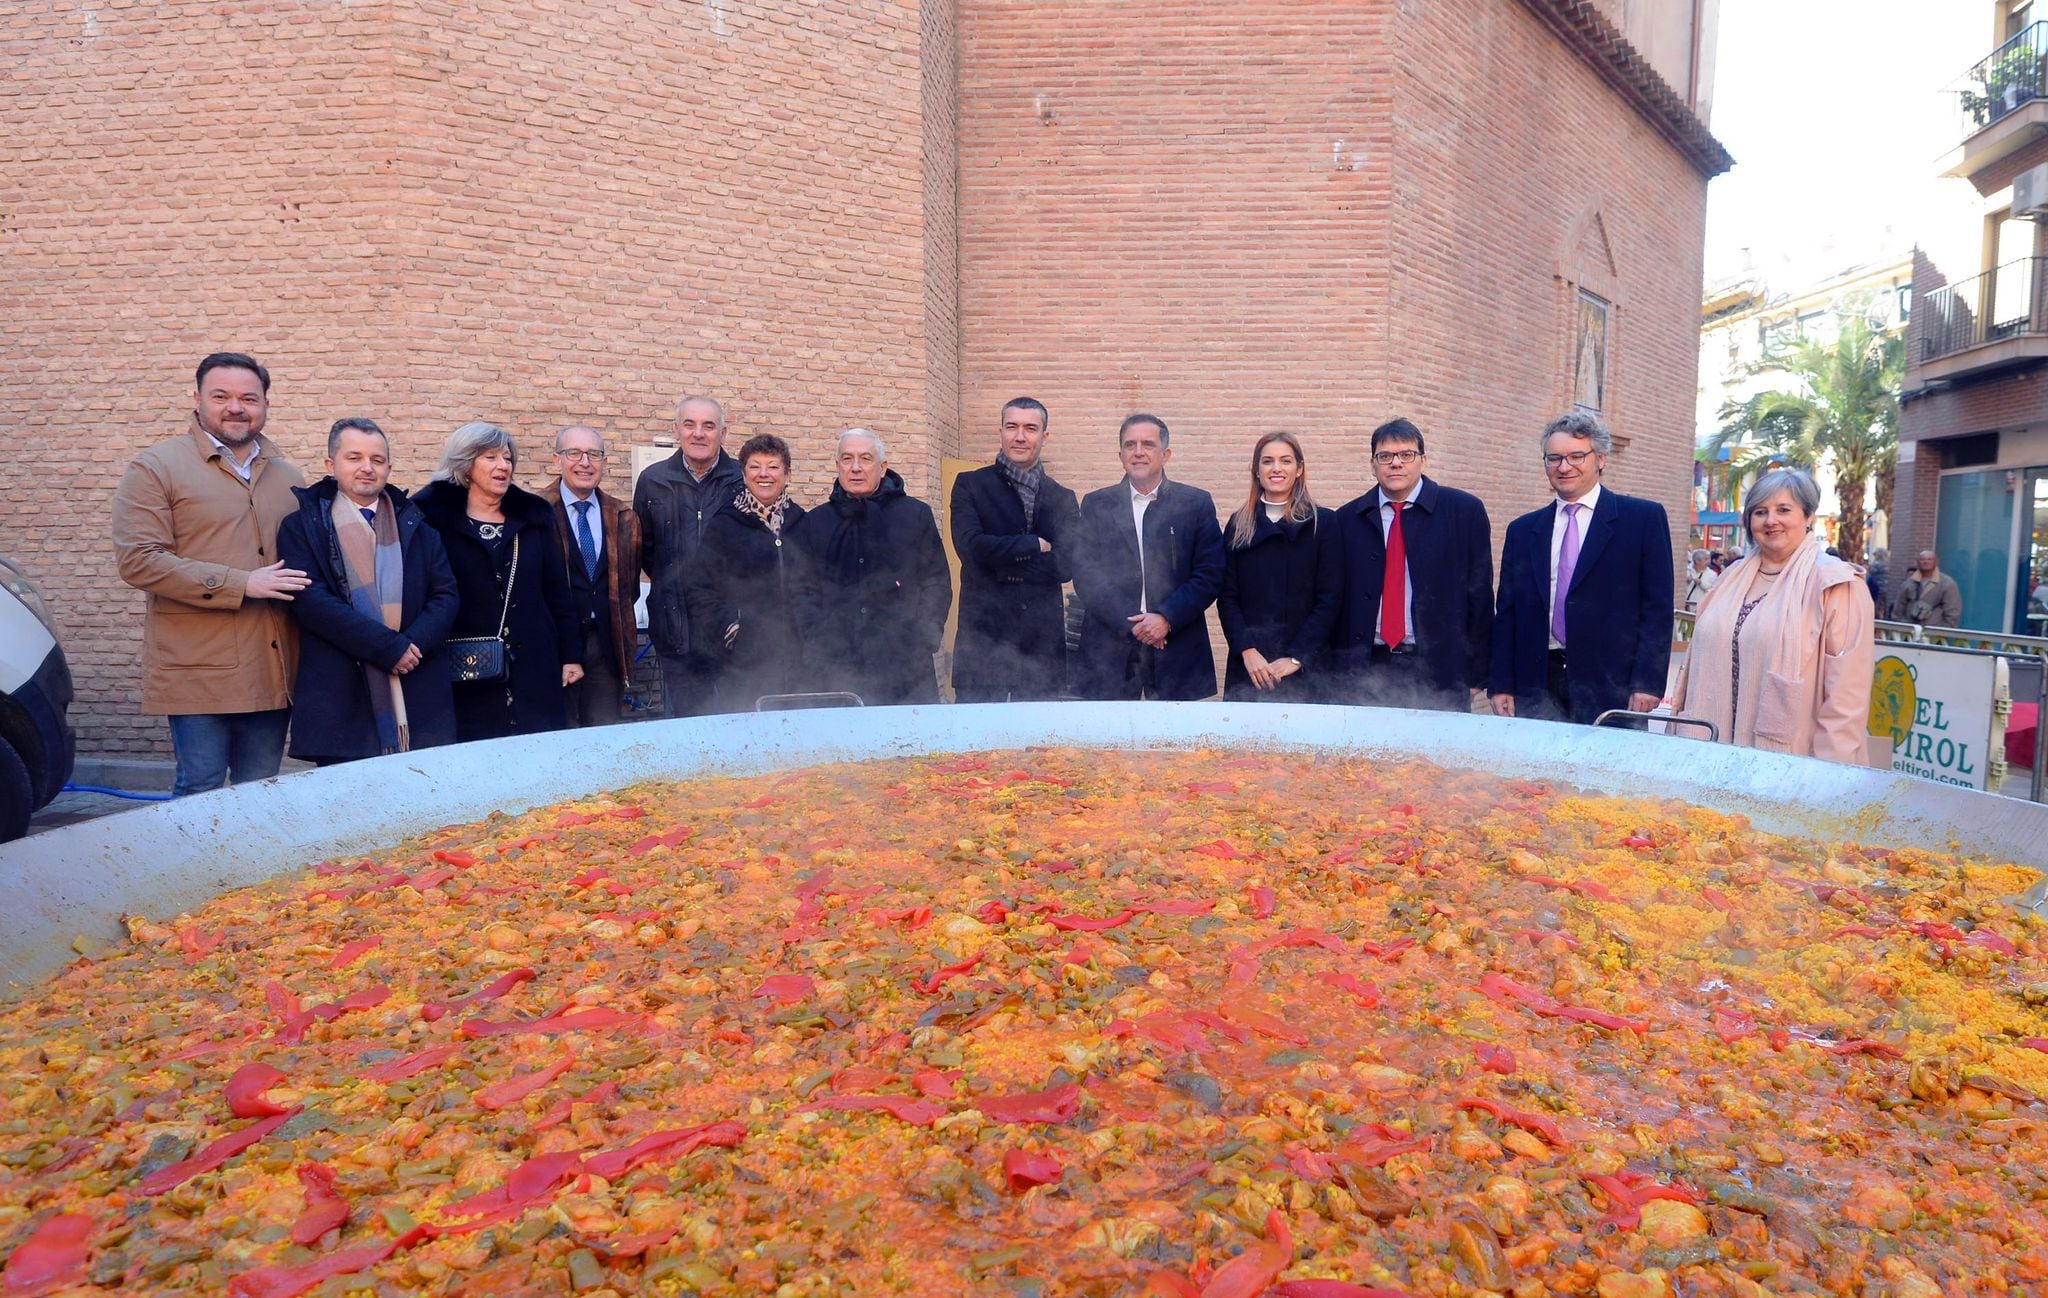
x=1403, y=679
x=1139, y=682
x=595, y=700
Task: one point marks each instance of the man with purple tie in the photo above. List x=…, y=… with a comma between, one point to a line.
x=1582, y=622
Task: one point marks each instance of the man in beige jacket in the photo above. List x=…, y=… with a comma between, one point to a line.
x=195, y=527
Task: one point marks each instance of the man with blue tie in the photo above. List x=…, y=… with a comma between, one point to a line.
x=600, y=537
x=1418, y=585
x=1583, y=623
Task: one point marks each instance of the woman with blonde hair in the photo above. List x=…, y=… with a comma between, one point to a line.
x=1783, y=645
x=1283, y=578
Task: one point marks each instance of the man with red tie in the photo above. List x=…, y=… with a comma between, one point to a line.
x=1418, y=590
x=1584, y=617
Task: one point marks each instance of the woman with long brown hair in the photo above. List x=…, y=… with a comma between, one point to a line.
x=1283, y=577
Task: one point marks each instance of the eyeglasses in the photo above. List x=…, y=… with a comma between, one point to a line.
x=1576, y=457
x=580, y=456
x=1396, y=457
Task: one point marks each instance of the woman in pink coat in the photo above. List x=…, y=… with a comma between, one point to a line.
x=1781, y=652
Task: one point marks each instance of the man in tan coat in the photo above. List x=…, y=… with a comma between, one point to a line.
x=195, y=527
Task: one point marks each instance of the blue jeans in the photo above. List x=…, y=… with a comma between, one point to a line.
x=212, y=746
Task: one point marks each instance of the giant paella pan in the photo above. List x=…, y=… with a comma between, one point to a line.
x=1073, y=999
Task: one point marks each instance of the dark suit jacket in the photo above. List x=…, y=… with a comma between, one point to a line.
x=1012, y=641
x=1450, y=577
x=1617, y=611
x=617, y=588
x=1183, y=573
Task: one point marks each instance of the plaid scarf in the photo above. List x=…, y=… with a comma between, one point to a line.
x=1025, y=482
x=375, y=568
x=770, y=515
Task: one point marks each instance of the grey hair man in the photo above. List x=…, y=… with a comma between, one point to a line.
x=600, y=541
x=1699, y=578
x=1582, y=620
x=674, y=501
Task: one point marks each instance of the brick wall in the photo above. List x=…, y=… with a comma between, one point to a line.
x=430, y=213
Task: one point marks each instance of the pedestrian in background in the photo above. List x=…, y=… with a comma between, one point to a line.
x=1929, y=597
x=1283, y=581
x=512, y=583
x=1699, y=578
x=1013, y=527
x=873, y=589
x=195, y=527
x=1782, y=652
x=1878, y=579
x=742, y=588
x=600, y=538
x=1148, y=565
x=372, y=678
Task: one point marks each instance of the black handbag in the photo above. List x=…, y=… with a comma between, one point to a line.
x=484, y=658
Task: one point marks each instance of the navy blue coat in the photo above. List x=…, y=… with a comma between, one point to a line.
x=1281, y=595
x=745, y=574
x=1617, y=611
x=331, y=717
x=1450, y=577
x=1012, y=641
x=1182, y=577
x=541, y=627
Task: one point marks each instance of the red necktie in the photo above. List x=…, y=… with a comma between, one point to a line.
x=1394, y=591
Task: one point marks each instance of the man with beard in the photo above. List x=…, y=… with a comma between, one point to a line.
x=1012, y=526
x=872, y=589
x=195, y=527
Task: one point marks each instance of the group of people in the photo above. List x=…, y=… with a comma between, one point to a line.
x=361, y=620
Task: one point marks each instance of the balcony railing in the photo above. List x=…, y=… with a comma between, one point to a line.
x=2011, y=76
x=2009, y=302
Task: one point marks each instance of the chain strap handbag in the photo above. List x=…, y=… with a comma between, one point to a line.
x=485, y=658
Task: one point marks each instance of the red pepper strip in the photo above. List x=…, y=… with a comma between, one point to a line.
x=673, y=838
x=1219, y=849
x=1497, y=988
x=1934, y=928
x=631, y=1245
x=1374, y=1144
x=1495, y=1059
x=571, y=819
x=505, y=1094
x=755, y=804
x=1165, y=1284
x=1600, y=1019
x=1387, y=952
x=1021, y=1171
x=527, y=1184
x=53, y=1257
x=674, y=1143
x=936, y=1085
x=1861, y=1047
x=2035, y=1043
x=931, y=984
x=814, y=884
x=1535, y=935
x=552, y=1025
x=1639, y=841
x=785, y=989
x=1332, y=1289
x=1169, y=1029
x=1263, y=900
x=325, y=1208
x=354, y=951
x=1263, y=1023
x=290, y=1281
x=1056, y=1105
x=1181, y=906
x=1583, y=887
x=993, y=913
x=918, y=1113
x=1622, y=1210
x=1083, y=924
x=859, y=1078
x=588, y=877
x=1733, y=1025
x=1308, y=1164
x=1856, y=930
x=292, y=1017
x=1253, y=1271
x=245, y=1091
x=462, y=859
x=395, y=1070
x=1533, y=1123
x=912, y=917
x=1368, y=993
x=602, y=1093
x=1057, y=867
x=1991, y=941
x=220, y=1151
x=1717, y=899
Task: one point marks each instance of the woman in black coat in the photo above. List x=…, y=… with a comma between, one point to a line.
x=484, y=521
x=1283, y=578
x=332, y=716
x=742, y=620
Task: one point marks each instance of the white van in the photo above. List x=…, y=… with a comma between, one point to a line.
x=36, y=744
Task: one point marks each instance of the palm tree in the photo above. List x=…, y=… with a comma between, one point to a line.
x=1837, y=403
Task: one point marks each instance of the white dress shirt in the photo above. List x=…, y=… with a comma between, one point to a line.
x=1140, y=501
x=1407, y=586
x=246, y=472
x=569, y=499
x=1557, y=526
